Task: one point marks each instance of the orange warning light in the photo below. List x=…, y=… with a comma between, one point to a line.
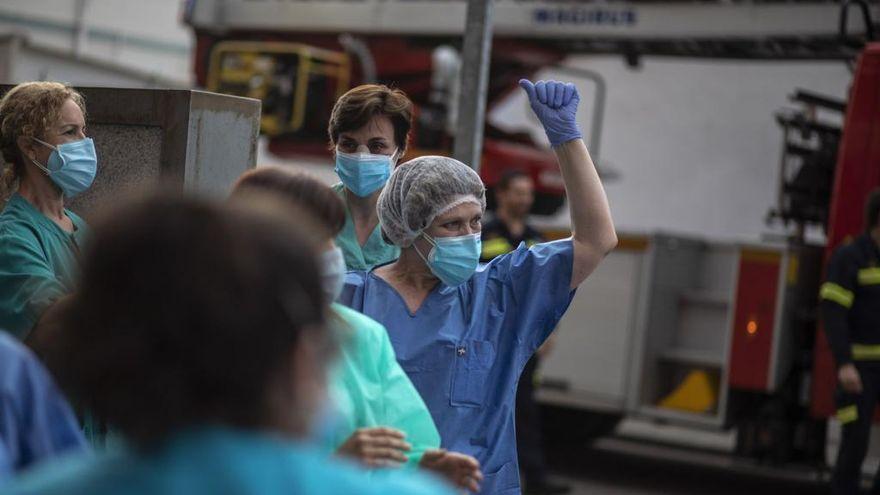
x=752, y=327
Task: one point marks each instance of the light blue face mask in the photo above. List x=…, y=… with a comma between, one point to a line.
x=364, y=173
x=333, y=273
x=71, y=166
x=453, y=259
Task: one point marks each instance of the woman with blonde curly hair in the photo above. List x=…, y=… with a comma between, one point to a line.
x=47, y=159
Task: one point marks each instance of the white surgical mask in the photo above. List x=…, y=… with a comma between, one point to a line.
x=332, y=273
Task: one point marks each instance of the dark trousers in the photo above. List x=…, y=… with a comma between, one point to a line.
x=856, y=433
x=528, y=427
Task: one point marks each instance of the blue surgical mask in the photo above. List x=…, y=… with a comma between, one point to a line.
x=333, y=273
x=453, y=259
x=364, y=173
x=71, y=166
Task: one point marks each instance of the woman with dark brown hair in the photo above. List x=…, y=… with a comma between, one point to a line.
x=46, y=160
x=198, y=333
x=381, y=420
x=369, y=130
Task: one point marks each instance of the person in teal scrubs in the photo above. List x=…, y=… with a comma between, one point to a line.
x=199, y=332
x=371, y=392
x=47, y=160
x=380, y=420
x=369, y=130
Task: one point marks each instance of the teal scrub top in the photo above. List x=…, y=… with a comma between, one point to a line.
x=375, y=252
x=218, y=460
x=37, y=263
x=370, y=389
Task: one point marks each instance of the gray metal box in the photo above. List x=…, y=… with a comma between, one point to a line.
x=171, y=139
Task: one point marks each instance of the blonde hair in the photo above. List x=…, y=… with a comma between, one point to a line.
x=29, y=109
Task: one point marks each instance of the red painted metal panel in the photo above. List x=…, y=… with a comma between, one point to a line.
x=858, y=172
x=757, y=292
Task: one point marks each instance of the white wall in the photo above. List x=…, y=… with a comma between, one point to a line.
x=141, y=34
x=34, y=65
x=695, y=142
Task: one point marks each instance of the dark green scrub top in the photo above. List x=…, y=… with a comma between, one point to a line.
x=38, y=263
x=375, y=252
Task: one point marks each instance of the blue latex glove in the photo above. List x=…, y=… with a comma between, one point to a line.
x=555, y=103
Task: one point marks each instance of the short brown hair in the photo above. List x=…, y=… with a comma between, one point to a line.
x=304, y=191
x=29, y=109
x=509, y=176
x=355, y=108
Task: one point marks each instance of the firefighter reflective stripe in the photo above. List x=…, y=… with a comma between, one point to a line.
x=869, y=276
x=836, y=293
x=496, y=247
x=848, y=414
x=865, y=352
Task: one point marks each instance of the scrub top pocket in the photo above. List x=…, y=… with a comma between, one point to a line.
x=473, y=361
x=430, y=359
x=503, y=481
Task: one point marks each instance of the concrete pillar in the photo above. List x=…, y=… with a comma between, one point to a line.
x=171, y=139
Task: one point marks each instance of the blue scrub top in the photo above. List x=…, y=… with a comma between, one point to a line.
x=219, y=460
x=465, y=347
x=6, y=470
x=36, y=423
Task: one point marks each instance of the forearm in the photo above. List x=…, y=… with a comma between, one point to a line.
x=555, y=104
x=836, y=332
x=592, y=227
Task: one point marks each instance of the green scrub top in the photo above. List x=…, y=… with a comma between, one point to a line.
x=370, y=389
x=37, y=263
x=375, y=252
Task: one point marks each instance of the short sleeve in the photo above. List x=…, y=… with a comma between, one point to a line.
x=28, y=284
x=538, y=281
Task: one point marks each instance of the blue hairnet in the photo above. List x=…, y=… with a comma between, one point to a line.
x=420, y=190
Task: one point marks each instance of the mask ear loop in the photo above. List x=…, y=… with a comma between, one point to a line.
x=431, y=242
x=44, y=143
x=39, y=165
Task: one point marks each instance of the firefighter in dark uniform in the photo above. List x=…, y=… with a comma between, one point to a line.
x=851, y=311
x=514, y=195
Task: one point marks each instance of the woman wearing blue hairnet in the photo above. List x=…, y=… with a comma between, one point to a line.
x=461, y=333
